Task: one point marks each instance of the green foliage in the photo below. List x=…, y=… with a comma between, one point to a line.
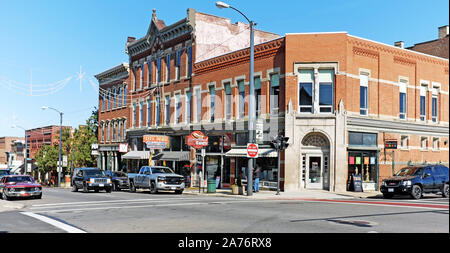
x=47, y=158
x=81, y=141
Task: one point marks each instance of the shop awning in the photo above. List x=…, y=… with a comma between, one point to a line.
x=173, y=156
x=262, y=152
x=137, y=155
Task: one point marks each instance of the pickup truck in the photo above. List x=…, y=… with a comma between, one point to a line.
x=156, y=178
x=417, y=180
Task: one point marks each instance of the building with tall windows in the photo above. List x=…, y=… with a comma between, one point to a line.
x=113, y=115
x=339, y=98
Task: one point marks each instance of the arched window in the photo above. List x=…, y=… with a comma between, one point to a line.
x=315, y=140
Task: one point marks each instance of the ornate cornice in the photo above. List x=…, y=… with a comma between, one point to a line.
x=116, y=73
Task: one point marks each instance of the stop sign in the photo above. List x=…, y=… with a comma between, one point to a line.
x=252, y=150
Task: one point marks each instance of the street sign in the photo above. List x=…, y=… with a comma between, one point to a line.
x=259, y=135
x=123, y=147
x=252, y=150
x=203, y=152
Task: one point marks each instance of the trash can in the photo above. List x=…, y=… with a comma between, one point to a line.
x=211, y=186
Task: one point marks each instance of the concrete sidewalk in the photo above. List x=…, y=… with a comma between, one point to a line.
x=305, y=194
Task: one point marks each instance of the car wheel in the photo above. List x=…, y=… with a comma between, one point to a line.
x=74, y=187
x=388, y=195
x=39, y=196
x=179, y=191
x=108, y=189
x=445, y=191
x=85, y=188
x=416, y=192
x=132, y=188
x=114, y=187
x=153, y=189
x=4, y=196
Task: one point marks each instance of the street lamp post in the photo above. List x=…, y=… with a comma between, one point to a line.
x=25, y=160
x=252, y=109
x=60, y=142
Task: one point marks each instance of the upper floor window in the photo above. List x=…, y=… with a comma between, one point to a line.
x=189, y=62
x=149, y=75
x=258, y=101
x=306, y=80
x=241, y=86
x=178, y=64
x=363, y=94
x=149, y=112
x=198, y=96
x=434, y=105
x=227, y=101
x=188, y=107
x=141, y=79
x=274, y=94
x=177, y=109
x=167, y=115
x=157, y=111
x=423, y=102
x=103, y=101
x=402, y=97
x=212, y=97
x=168, y=68
x=134, y=116
x=125, y=95
x=326, y=77
x=159, y=70
x=119, y=96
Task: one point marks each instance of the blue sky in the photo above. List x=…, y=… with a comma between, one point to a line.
x=46, y=41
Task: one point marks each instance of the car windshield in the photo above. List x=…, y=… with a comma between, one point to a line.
x=161, y=170
x=19, y=179
x=94, y=173
x=410, y=171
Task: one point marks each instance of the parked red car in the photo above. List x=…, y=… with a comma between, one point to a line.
x=12, y=186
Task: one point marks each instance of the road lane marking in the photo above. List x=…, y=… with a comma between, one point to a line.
x=104, y=202
x=380, y=203
x=54, y=223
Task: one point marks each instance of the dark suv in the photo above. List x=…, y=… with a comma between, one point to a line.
x=416, y=180
x=90, y=179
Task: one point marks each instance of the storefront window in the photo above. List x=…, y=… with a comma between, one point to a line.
x=363, y=163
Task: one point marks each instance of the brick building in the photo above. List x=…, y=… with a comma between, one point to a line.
x=11, y=151
x=112, y=115
x=438, y=47
x=38, y=137
x=338, y=97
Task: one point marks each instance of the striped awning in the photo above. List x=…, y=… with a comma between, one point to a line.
x=173, y=156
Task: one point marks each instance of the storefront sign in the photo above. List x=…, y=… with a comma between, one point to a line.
x=197, y=140
x=357, y=183
x=156, y=141
x=252, y=150
x=390, y=144
x=123, y=147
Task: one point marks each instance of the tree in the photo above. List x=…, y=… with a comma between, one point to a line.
x=47, y=158
x=82, y=140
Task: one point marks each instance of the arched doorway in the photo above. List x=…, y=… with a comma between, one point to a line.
x=315, y=161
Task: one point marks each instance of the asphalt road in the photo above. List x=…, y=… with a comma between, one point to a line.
x=63, y=211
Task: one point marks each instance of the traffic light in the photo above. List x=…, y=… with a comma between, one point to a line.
x=280, y=142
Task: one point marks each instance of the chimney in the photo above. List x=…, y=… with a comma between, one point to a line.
x=131, y=39
x=399, y=44
x=443, y=31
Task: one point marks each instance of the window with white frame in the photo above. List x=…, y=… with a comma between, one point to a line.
x=403, y=105
x=109, y=131
x=188, y=106
x=141, y=79
x=168, y=68
x=258, y=99
x=141, y=114
x=159, y=70
x=326, y=77
x=103, y=132
x=167, y=110
x=423, y=102
x=149, y=112
x=212, y=101
x=274, y=94
x=134, y=116
x=423, y=142
x=149, y=74
x=436, y=143
x=125, y=95
x=434, y=104
x=198, y=101
x=363, y=93
x=157, y=111
x=227, y=101
x=306, y=84
x=124, y=129
x=241, y=87
x=177, y=108
x=178, y=64
x=119, y=96
x=404, y=142
x=119, y=131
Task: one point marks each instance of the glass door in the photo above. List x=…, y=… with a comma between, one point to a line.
x=314, y=179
